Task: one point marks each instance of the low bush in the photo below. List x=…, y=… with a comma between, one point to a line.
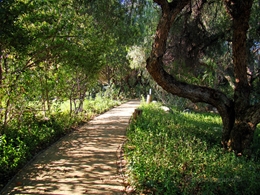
x=180, y=153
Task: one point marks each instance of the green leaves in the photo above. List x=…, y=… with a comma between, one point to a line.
x=65, y=44
x=12, y=32
x=180, y=152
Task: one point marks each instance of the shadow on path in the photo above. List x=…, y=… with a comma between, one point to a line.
x=86, y=161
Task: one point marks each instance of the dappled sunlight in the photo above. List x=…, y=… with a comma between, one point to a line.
x=87, y=161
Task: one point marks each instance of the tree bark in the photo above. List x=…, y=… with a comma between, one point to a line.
x=242, y=133
x=1, y=72
x=239, y=119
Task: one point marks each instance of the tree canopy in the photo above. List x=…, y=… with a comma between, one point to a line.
x=203, y=50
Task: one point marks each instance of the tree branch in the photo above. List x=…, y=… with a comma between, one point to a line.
x=168, y=82
x=253, y=113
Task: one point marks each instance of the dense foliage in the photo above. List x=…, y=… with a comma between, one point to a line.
x=180, y=153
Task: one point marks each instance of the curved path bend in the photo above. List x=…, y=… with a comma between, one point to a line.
x=86, y=161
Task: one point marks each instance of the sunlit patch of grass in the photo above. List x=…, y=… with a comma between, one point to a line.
x=180, y=153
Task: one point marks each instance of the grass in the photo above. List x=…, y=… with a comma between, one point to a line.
x=180, y=153
x=21, y=141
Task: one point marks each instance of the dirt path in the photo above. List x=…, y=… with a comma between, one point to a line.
x=87, y=161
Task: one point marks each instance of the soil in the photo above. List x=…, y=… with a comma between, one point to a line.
x=87, y=161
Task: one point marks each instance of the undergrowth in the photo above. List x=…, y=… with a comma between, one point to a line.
x=22, y=141
x=180, y=153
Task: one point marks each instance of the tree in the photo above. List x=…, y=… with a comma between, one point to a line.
x=12, y=34
x=61, y=38
x=239, y=116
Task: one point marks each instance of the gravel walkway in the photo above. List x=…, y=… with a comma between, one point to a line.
x=86, y=161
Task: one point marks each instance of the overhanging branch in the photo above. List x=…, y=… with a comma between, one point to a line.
x=169, y=82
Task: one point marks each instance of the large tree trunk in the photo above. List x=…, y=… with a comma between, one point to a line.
x=239, y=119
x=242, y=132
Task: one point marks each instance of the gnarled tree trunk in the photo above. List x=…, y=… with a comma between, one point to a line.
x=241, y=134
x=238, y=117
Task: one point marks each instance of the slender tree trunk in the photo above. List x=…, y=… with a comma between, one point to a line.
x=71, y=107
x=1, y=71
x=6, y=113
x=81, y=99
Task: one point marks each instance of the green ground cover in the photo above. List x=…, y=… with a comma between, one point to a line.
x=22, y=140
x=180, y=153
